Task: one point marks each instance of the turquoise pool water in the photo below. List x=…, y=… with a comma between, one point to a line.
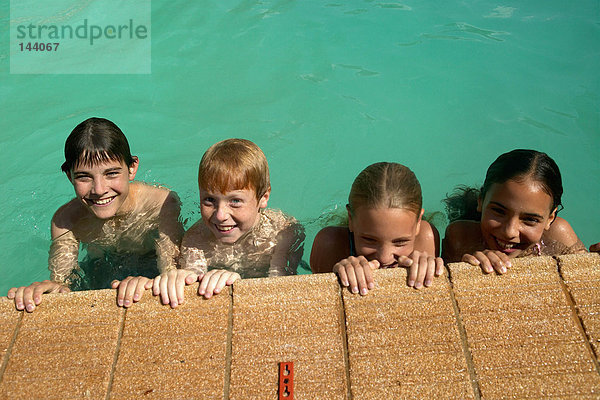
x=325, y=88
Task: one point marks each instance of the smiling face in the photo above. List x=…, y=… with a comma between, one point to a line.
x=384, y=234
x=514, y=215
x=230, y=215
x=103, y=188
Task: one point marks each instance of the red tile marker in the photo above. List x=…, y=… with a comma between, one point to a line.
x=286, y=381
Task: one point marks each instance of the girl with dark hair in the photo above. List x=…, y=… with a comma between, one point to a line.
x=513, y=214
x=385, y=229
x=128, y=228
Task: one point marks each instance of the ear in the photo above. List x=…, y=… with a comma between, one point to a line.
x=132, y=169
x=262, y=202
x=349, y=218
x=419, y=219
x=479, y=203
x=551, y=219
x=69, y=176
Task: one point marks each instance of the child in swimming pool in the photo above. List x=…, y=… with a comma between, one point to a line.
x=237, y=235
x=513, y=214
x=128, y=228
x=385, y=229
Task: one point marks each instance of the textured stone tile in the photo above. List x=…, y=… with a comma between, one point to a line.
x=533, y=386
x=9, y=318
x=400, y=349
x=532, y=350
x=308, y=332
x=65, y=348
x=525, y=273
x=173, y=353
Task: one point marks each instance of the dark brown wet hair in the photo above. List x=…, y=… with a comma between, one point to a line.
x=94, y=141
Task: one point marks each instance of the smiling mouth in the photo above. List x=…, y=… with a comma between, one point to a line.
x=507, y=247
x=100, y=202
x=225, y=228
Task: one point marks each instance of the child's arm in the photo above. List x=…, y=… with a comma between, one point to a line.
x=170, y=232
x=192, y=263
x=288, y=250
x=331, y=245
x=62, y=261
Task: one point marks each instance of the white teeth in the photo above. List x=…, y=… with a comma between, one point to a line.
x=103, y=201
x=505, y=245
x=225, y=228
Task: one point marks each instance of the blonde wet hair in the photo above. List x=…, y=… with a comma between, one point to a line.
x=386, y=185
x=234, y=164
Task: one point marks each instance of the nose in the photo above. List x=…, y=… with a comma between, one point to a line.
x=99, y=186
x=385, y=255
x=511, y=228
x=221, y=213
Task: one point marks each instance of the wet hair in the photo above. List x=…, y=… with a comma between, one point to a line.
x=94, y=141
x=234, y=164
x=386, y=185
x=515, y=165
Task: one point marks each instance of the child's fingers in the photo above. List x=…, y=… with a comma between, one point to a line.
x=341, y=272
x=172, y=288
x=156, y=285
x=164, y=291
x=19, y=298
x=471, y=259
x=180, y=284
x=28, y=299
x=130, y=291
x=423, y=267
x=140, y=288
x=497, y=260
x=11, y=293
x=351, y=275
x=233, y=277
x=204, y=282
x=211, y=282
x=439, y=266
x=431, y=270
x=149, y=283
x=114, y=284
x=404, y=261
x=221, y=282
x=413, y=271
x=191, y=278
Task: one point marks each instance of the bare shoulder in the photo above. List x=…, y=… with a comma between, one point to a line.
x=66, y=217
x=330, y=246
x=194, y=236
x=157, y=194
x=561, y=231
x=428, y=239
x=459, y=238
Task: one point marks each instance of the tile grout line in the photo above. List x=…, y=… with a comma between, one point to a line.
x=117, y=351
x=463, y=339
x=575, y=315
x=344, y=323
x=228, y=351
x=10, y=347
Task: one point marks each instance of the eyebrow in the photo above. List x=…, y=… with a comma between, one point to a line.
x=504, y=208
x=396, y=240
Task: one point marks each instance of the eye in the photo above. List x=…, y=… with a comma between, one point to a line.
x=531, y=221
x=208, y=201
x=113, y=174
x=236, y=202
x=83, y=178
x=497, y=210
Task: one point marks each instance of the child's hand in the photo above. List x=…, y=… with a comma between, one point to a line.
x=27, y=297
x=489, y=260
x=595, y=247
x=215, y=280
x=170, y=285
x=422, y=268
x=355, y=273
x=131, y=289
